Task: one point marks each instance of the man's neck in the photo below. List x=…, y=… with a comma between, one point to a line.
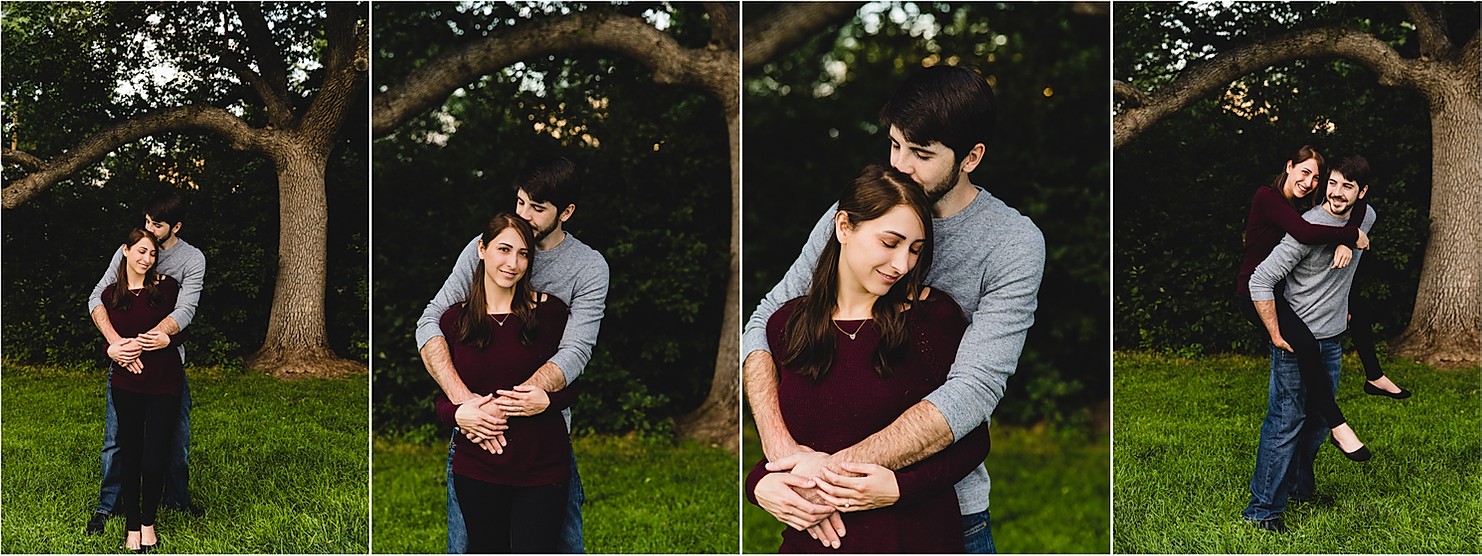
x=170, y=243
x=955, y=200
x=552, y=240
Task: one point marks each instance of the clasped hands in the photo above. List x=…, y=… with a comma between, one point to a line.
x=126, y=351
x=807, y=491
x=483, y=419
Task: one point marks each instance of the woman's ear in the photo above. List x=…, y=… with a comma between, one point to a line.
x=842, y=229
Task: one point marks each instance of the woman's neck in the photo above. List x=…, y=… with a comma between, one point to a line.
x=134, y=279
x=499, y=299
x=854, y=302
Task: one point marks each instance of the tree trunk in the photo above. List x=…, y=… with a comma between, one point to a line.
x=296, y=344
x=717, y=421
x=1446, y=326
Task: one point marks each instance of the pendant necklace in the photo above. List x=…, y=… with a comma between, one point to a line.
x=500, y=322
x=851, y=335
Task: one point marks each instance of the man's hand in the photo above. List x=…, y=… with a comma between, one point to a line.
x=866, y=486
x=154, y=340
x=475, y=421
x=806, y=463
x=124, y=350
x=777, y=494
x=1363, y=240
x=523, y=401
x=1342, y=256
x=1281, y=344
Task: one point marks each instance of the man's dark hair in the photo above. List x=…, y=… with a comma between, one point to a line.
x=168, y=208
x=949, y=104
x=1356, y=169
x=553, y=181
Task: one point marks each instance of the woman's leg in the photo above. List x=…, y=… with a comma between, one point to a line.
x=536, y=528
x=129, y=409
x=161, y=419
x=1361, y=329
x=486, y=515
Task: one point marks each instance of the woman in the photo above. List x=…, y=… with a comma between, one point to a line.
x=1275, y=211
x=513, y=502
x=146, y=396
x=865, y=344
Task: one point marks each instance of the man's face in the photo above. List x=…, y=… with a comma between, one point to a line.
x=933, y=167
x=162, y=231
x=542, y=217
x=1343, y=193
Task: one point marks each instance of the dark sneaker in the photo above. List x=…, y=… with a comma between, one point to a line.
x=191, y=508
x=97, y=523
x=1274, y=525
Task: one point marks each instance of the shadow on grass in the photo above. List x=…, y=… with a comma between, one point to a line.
x=1187, y=429
x=280, y=467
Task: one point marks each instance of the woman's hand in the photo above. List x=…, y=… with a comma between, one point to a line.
x=776, y=493
x=154, y=340
x=867, y=487
x=1342, y=255
x=1363, y=240
x=479, y=425
x=523, y=401
x=126, y=352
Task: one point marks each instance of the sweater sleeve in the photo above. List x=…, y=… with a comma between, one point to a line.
x=454, y=290
x=445, y=409
x=1277, y=265
x=943, y=469
x=587, y=306
x=563, y=398
x=191, y=283
x=1275, y=209
x=757, y=473
x=110, y=275
x=794, y=284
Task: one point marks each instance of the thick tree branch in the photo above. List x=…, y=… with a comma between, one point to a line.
x=1134, y=97
x=280, y=112
x=787, y=26
x=92, y=149
x=1200, y=78
x=23, y=159
x=1431, y=27
x=429, y=85
x=260, y=42
x=725, y=25
x=348, y=46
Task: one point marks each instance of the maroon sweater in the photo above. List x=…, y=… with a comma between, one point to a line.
x=539, y=451
x=1272, y=218
x=851, y=402
x=163, y=371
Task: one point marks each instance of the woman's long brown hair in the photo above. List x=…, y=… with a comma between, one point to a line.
x=120, y=301
x=476, y=327
x=809, y=331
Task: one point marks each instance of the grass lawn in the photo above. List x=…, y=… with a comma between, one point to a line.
x=643, y=496
x=1186, y=432
x=1050, y=493
x=280, y=467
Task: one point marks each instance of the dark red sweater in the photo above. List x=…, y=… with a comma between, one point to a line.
x=539, y=450
x=1272, y=218
x=163, y=371
x=851, y=402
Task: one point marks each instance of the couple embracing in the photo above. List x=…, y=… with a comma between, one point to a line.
x=873, y=366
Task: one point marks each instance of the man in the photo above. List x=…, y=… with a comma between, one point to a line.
x=1318, y=294
x=163, y=217
x=545, y=196
x=987, y=256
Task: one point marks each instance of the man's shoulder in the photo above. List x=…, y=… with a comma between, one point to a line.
x=583, y=254
x=189, y=252
x=1006, y=221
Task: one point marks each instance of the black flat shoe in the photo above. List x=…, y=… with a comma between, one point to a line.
x=97, y=523
x=1361, y=454
x=147, y=548
x=1274, y=525
x=1377, y=391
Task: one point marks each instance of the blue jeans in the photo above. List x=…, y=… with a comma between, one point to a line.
x=177, y=472
x=977, y=535
x=571, y=531
x=1290, y=438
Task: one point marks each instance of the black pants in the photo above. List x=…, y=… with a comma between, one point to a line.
x=504, y=519
x=1310, y=365
x=1361, y=329
x=146, y=423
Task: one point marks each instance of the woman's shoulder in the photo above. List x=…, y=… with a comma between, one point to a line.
x=935, y=304
x=167, y=283
x=547, y=303
x=785, y=310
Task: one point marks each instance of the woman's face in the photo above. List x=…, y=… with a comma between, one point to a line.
x=506, y=257
x=878, y=253
x=1301, y=179
x=140, y=256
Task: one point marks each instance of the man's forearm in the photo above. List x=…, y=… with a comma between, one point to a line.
x=917, y=434
x=548, y=377
x=439, y=364
x=105, y=326
x=168, y=326
x=760, y=374
x=1267, y=310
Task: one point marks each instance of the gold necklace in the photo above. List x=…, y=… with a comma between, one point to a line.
x=851, y=335
x=500, y=322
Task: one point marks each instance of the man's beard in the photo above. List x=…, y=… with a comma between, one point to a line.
x=169, y=233
x=1333, y=208
x=540, y=234
x=935, y=192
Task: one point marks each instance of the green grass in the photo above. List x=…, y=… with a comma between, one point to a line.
x=1186, y=432
x=643, y=496
x=279, y=466
x=1050, y=493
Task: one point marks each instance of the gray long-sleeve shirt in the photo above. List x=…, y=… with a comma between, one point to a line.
x=1317, y=292
x=572, y=271
x=183, y=262
x=990, y=259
